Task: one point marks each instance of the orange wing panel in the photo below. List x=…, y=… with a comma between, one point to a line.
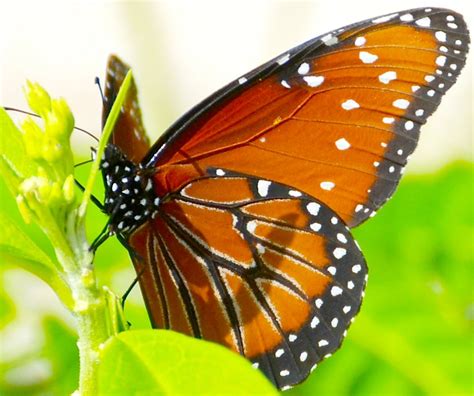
x=337, y=121
x=211, y=227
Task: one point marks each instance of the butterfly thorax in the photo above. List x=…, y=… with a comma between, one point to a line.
x=129, y=196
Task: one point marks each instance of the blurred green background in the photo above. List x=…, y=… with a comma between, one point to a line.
x=414, y=333
x=412, y=337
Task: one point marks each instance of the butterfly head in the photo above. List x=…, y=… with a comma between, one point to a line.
x=129, y=196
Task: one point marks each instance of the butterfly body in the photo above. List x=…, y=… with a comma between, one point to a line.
x=244, y=236
x=129, y=199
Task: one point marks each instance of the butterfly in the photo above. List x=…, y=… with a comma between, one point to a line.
x=238, y=219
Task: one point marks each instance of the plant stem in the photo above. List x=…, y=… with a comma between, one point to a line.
x=90, y=307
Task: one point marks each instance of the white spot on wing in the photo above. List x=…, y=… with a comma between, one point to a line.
x=327, y=185
x=294, y=193
x=262, y=187
x=339, y=252
x=424, y=22
x=401, y=104
x=314, y=322
x=367, y=57
x=350, y=104
x=336, y=291
x=251, y=226
x=356, y=268
x=341, y=238
x=314, y=81
x=441, y=60
x=313, y=208
x=441, y=36
x=322, y=343
x=359, y=41
x=406, y=18
x=386, y=77
x=304, y=68
x=342, y=144
x=284, y=373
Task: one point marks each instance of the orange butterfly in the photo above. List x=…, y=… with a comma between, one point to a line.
x=238, y=218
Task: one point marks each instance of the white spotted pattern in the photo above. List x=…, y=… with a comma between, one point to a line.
x=304, y=68
x=360, y=41
x=339, y=252
x=424, y=22
x=386, y=77
x=336, y=291
x=367, y=57
x=441, y=36
x=401, y=104
x=342, y=144
x=327, y=185
x=350, y=104
x=262, y=187
x=313, y=208
x=314, y=81
x=406, y=18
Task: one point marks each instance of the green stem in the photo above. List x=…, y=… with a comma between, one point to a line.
x=90, y=306
x=92, y=310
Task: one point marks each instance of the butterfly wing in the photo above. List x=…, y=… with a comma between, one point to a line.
x=249, y=245
x=129, y=133
x=264, y=269
x=336, y=117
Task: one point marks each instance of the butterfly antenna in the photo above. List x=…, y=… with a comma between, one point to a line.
x=97, y=81
x=83, y=163
x=36, y=115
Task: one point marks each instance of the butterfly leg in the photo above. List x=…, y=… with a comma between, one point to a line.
x=130, y=288
x=93, y=198
x=101, y=238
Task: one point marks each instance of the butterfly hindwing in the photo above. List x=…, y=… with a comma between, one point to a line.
x=260, y=267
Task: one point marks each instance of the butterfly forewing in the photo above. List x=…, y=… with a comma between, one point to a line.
x=264, y=269
x=336, y=117
x=129, y=133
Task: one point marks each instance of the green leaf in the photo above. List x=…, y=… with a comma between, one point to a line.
x=162, y=362
x=17, y=248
